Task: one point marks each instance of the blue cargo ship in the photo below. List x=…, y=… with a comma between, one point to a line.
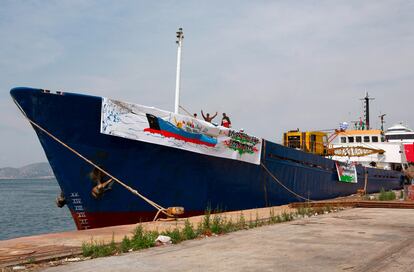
x=86, y=156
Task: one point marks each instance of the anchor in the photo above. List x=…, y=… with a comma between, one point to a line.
x=60, y=200
x=101, y=186
x=99, y=190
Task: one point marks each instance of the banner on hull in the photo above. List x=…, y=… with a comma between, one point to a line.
x=346, y=172
x=156, y=126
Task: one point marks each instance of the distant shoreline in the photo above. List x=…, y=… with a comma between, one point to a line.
x=39, y=170
x=26, y=178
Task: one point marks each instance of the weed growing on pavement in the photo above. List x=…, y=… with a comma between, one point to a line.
x=209, y=225
x=188, y=231
x=96, y=249
x=386, y=195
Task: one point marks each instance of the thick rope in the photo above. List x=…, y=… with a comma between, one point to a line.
x=135, y=192
x=284, y=186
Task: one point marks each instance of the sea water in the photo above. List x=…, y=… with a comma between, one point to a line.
x=27, y=207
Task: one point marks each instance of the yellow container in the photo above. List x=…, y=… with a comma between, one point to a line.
x=309, y=141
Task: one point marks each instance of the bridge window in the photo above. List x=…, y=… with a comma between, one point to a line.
x=343, y=140
x=400, y=137
x=358, y=139
x=366, y=139
x=375, y=139
x=350, y=139
x=294, y=141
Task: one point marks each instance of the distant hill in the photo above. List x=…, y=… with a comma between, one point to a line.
x=34, y=170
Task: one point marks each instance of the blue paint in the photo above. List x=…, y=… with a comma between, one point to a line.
x=168, y=127
x=175, y=177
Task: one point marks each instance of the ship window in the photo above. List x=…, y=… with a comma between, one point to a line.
x=375, y=139
x=312, y=142
x=294, y=141
x=366, y=139
x=400, y=137
x=358, y=139
x=343, y=140
x=350, y=139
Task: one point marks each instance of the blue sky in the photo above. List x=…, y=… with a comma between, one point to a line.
x=271, y=65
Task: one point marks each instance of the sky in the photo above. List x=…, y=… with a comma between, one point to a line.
x=272, y=66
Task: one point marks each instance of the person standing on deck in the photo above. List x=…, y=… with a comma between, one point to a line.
x=225, y=121
x=207, y=117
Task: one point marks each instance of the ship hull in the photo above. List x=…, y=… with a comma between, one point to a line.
x=170, y=176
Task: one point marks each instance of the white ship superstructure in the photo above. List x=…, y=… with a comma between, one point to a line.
x=386, y=155
x=399, y=133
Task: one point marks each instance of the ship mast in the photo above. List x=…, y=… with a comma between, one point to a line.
x=180, y=37
x=382, y=121
x=366, y=109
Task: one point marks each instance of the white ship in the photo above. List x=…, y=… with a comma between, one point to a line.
x=369, y=148
x=372, y=147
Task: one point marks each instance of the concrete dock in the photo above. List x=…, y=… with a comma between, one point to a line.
x=351, y=240
x=51, y=246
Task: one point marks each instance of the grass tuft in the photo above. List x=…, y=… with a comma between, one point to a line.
x=241, y=224
x=386, y=195
x=97, y=249
x=175, y=235
x=143, y=239
x=125, y=245
x=216, y=224
x=188, y=232
x=206, y=220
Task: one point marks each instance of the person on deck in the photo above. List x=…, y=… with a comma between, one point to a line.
x=195, y=115
x=207, y=117
x=225, y=121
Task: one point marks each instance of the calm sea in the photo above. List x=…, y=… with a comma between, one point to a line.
x=27, y=207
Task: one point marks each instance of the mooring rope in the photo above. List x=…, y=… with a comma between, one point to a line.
x=134, y=191
x=281, y=184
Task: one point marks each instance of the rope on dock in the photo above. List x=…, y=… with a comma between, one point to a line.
x=134, y=191
x=281, y=184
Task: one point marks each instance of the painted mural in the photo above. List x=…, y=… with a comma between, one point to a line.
x=156, y=126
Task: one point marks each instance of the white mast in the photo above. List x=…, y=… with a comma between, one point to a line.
x=180, y=37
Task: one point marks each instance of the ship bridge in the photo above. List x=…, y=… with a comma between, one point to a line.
x=390, y=155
